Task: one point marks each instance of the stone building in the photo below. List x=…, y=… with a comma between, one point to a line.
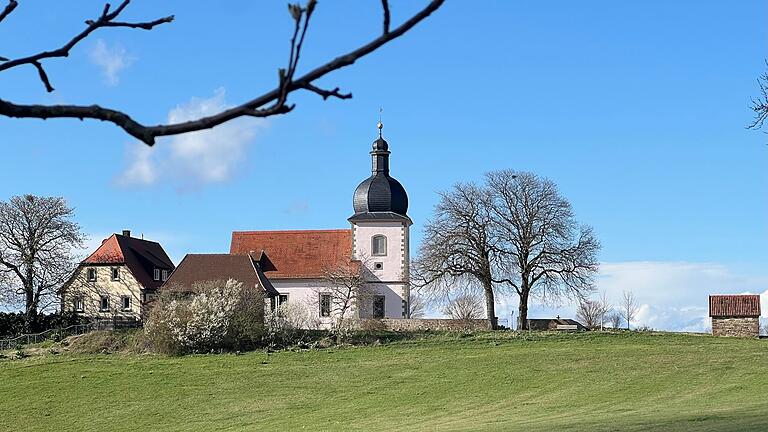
x=735, y=315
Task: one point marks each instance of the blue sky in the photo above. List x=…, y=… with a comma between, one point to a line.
x=637, y=110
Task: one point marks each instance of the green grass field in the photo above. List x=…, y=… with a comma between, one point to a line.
x=490, y=381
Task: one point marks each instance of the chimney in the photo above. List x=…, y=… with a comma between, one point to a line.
x=126, y=233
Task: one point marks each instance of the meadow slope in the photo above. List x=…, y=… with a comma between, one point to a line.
x=488, y=381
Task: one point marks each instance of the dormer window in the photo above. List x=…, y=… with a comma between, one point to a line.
x=379, y=245
x=157, y=274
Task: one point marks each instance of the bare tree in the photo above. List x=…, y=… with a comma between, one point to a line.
x=348, y=292
x=629, y=307
x=37, y=238
x=614, y=318
x=760, y=105
x=590, y=313
x=544, y=250
x=605, y=307
x=417, y=305
x=273, y=102
x=467, y=305
x=458, y=247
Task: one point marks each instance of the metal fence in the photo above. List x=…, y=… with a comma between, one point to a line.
x=60, y=333
x=34, y=338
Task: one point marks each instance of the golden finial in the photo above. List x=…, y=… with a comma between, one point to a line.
x=380, y=125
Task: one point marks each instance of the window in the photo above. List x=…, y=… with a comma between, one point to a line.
x=91, y=274
x=104, y=304
x=165, y=275
x=125, y=302
x=325, y=305
x=157, y=274
x=378, y=266
x=276, y=302
x=379, y=245
x=115, y=273
x=79, y=304
x=378, y=306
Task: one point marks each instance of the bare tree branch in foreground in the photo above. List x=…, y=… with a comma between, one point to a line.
x=271, y=103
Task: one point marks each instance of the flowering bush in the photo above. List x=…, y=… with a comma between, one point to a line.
x=217, y=315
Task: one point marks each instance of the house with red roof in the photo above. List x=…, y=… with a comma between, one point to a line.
x=117, y=279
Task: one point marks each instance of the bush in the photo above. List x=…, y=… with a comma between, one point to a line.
x=217, y=315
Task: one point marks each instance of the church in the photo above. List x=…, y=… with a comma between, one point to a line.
x=292, y=266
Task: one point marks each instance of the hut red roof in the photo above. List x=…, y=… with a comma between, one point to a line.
x=734, y=305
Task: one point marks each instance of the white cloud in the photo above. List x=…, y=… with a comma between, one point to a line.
x=196, y=158
x=672, y=295
x=111, y=60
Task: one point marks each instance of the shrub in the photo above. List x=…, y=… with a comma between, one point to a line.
x=217, y=315
x=107, y=342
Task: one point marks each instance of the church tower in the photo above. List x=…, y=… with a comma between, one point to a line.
x=380, y=235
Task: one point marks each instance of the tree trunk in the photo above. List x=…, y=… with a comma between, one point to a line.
x=490, y=304
x=522, y=310
x=30, y=317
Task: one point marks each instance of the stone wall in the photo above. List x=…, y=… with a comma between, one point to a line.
x=739, y=327
x=435, y=324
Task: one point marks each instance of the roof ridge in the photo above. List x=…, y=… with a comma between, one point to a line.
x=294, y=231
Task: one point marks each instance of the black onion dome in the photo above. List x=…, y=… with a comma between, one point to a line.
x=380, y=145
x=380, y=193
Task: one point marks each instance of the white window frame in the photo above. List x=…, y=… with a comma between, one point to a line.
x=164, y=275
x=88, y=274
x=122, y=303
x=115, y=271
x=373, y=245
x=157, y=274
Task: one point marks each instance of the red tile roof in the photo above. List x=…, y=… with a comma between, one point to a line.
x=139, y=255
x=734, y=305
x=297, y=254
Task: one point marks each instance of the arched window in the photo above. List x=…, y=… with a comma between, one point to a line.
x=379, y=245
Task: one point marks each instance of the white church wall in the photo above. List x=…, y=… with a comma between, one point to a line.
x=394, y=261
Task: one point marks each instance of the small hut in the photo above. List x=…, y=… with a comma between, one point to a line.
x=735, y=315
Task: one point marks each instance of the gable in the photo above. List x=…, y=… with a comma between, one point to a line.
x=296, y=254
x=141, y=256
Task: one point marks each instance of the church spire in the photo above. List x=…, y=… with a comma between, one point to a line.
x=380, y=154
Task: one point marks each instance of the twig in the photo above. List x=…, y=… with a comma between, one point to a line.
x=148, y=134
x=8, y=9
x=105, y=20
x=385, y=7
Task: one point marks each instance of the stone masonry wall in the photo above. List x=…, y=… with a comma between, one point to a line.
x=435, y=324
x=739, y=327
